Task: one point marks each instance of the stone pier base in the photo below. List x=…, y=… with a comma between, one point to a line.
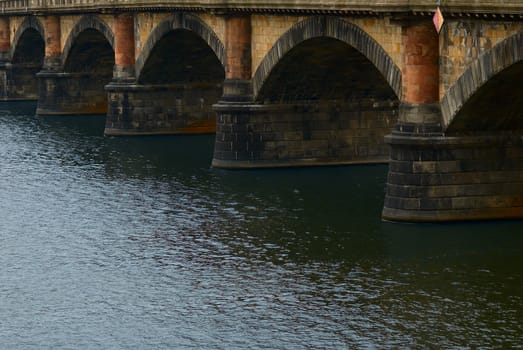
x=289, y=135
x=443, y=178
x=71, y=93
x=18, y=82
x=136, y=109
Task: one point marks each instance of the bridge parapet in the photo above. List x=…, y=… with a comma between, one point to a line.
x=456, y=7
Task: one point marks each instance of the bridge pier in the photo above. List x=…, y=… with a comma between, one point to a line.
x=317, y=109
x=445, y=178
x=62, y=93
x=435, y=175
x=138, y=109
x=52, y=80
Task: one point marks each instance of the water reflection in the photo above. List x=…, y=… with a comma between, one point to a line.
x=136, y=242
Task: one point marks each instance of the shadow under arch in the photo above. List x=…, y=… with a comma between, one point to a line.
x=86, y=22
x=490, y=84
x=26, y=56
x=335, y=28
x=30, y=22
x=180, y=21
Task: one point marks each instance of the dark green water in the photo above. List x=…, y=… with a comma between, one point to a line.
x=135, y=243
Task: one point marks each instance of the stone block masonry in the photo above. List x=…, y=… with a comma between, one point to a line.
x=70, y=93
x=155, y=109
x=308, y=134
x=454, y=178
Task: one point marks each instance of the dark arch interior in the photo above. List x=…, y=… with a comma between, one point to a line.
x=91, y=53
x=27, y=60
x=496, y=106
x=89, y=63
x=182, y=56
x=328, y=104
x=324, y=68
x=30, y=49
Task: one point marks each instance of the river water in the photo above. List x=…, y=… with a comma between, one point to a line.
x=136, y=243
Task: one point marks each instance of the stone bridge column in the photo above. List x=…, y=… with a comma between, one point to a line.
x=419, y=123
x=234, y=146
x=53, y=49
x=419, y=109
x=237, y=85
x=122, y=89
x=61, y=92
x=52, y=90
x=434, y=176
x=124, y=50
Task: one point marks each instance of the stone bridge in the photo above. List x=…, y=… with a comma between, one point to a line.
x=296, y=84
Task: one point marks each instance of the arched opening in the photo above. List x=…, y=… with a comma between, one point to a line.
x=182, y=56
x=495, y=107
x=182, y=78
x=91, y=53
x=322, y=69
x=26, y=61
x=335, y=105
x=89, y=65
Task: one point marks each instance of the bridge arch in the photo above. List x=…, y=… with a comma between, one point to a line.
x=29, y=23
x=26, y=55
x=85, y=23
x=328, y=27
x=180, y=21
x=488, y=85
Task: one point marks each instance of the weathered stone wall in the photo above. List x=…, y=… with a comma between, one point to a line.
x=145, y=23
x=174, y=109
x=68, y=93
x=462, y=41
x=18, y=82
x=305, y=134
x=67, y=23
x=454, y=178
x=386, y=33
x=216, y=23
x=14, y=24
x=268, y=29
x=487, y=97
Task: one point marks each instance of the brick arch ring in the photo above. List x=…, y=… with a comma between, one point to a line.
x=485, y=67
x=332, y=28
x=180, y=21
x=30, y=22
x=86, y=22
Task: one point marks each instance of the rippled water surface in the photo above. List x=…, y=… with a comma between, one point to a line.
x=129, y=243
